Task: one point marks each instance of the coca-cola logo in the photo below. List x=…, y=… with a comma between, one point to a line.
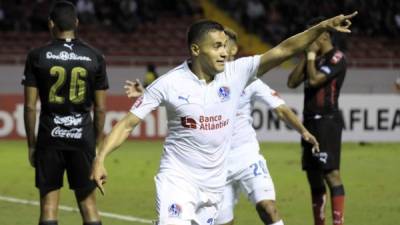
x=74, y=133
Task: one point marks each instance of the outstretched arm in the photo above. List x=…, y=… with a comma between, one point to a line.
x=301, y=41
x=118, y=135
x=286, y=114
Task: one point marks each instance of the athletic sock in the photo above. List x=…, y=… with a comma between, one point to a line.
x=318, y=197
x=92, y=223
x=49, y=222
x=280, y=222
x=337, y=201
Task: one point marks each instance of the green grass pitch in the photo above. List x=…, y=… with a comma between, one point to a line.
x=370, y=174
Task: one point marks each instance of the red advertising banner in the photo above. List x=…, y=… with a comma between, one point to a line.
x=12, y=118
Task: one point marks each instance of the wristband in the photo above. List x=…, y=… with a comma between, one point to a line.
x=311, y=55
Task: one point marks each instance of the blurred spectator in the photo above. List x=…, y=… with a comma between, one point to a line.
x=127, y=18
x=150, y=75
x=86, y=12
x=255, y=15
x=2, y=17
x=38, y=17
x=104, y=12
x=275, y=29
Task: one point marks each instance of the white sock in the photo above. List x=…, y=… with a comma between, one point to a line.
x=280, y=222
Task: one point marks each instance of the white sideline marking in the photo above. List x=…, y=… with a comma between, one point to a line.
x=71, y=209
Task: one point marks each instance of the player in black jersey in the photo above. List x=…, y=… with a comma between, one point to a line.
x=322, y=71
x=70, y=79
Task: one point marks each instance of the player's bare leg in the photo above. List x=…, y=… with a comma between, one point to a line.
x=49, y=201
x=333, y=178
x=318, y=195
x=268, y=212
x=337, y=196
x=86, y=200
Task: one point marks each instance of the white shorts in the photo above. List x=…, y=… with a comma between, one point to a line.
x=254, y=180
x=180, y=202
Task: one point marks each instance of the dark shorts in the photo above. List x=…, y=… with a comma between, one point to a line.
x=328, y=131
x=50, y=165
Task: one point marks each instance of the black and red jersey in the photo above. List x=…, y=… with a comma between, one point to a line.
x=323, y=100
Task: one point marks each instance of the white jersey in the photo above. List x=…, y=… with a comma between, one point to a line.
x=200, y=119
x=244, y=133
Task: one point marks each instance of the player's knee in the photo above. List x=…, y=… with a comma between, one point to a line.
x=333, y=178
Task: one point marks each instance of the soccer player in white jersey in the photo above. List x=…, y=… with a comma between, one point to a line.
x=201, y=97
x=246, y=167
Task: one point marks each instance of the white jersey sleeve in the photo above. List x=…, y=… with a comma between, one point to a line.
x=245, y=68
x=262, y=92
x=153, y=96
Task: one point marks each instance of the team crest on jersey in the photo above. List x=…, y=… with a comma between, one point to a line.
x=174, y=210
x=224, y=93
x=138, y=102
x=210, y=221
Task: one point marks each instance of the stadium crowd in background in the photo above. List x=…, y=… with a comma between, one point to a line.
x=376, y=17
x=120, y=15
x=266, y=18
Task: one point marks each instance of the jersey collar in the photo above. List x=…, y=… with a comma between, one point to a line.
x=191, y=74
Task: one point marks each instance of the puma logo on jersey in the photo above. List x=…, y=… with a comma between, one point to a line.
x=69, y=46
x=184, y=99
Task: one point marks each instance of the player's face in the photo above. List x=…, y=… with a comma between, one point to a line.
x=213, y=52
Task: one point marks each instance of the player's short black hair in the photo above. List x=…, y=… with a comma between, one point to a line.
x=64, y=15
x=198, y=29
x=231, y=34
